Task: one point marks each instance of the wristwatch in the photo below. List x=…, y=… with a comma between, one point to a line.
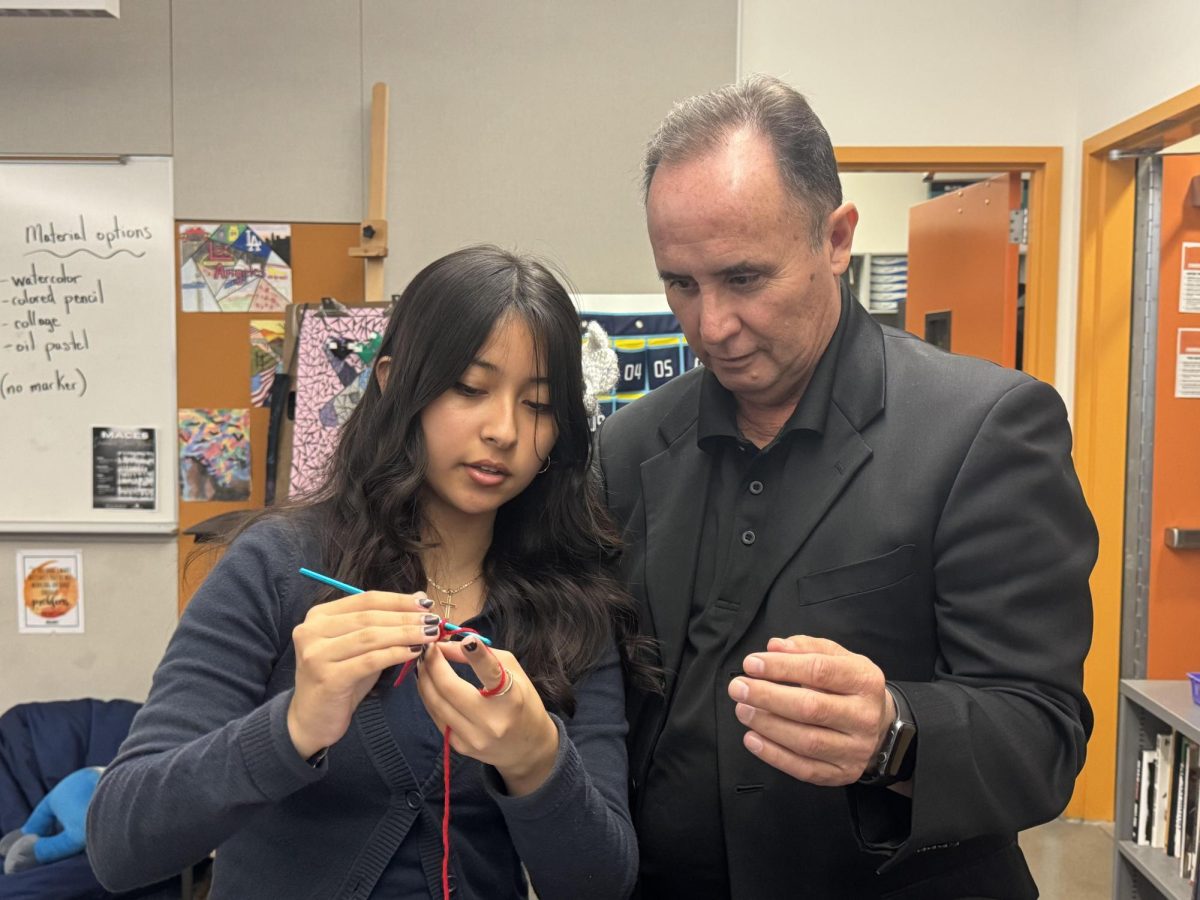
x=897, y=755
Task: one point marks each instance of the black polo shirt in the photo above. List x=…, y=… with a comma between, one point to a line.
x=679, y=815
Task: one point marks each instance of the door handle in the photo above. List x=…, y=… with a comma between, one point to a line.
x=1183, y=538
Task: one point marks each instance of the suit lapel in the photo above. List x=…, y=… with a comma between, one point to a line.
x=675, y=487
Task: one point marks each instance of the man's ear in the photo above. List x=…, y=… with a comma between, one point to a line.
x=840, y=230
x=383, y=366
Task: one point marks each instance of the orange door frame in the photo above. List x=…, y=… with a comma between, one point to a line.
x=1101, y=401
x=1044, y=165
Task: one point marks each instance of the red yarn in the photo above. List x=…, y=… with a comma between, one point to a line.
x=446, y=814
x=444, y=635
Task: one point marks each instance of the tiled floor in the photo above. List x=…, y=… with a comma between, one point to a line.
x=1071, y=860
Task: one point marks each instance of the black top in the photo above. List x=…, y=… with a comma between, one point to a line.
x=679, y=817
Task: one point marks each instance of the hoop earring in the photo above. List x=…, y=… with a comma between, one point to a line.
x=545, y=467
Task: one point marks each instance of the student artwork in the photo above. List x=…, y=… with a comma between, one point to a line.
x=650, y=351
x=266, y=358
x=334, y=359
x=234, y=267
x=214, y=454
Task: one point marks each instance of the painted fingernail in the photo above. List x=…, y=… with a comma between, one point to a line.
x=744, y=713
x=471, y=646
x=417, y=648
x=425, y=602
x=431, y=619
x=738, y=689
x=754, y=665
x=431, y=630
x=753, y=742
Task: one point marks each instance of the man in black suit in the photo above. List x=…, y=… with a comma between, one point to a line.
x=865, y=561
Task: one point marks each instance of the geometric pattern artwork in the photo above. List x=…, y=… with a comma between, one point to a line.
x=214, y=454
x=234, y=267
x=333, y=368
x=266, y=358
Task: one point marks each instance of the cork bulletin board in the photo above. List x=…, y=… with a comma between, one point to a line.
x=213, y=358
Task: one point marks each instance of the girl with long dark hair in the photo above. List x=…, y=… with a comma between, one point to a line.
x=460, y=492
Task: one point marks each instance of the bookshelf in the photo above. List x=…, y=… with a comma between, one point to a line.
x=1148, y=708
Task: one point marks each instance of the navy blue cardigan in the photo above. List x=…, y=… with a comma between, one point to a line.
x=209, y=765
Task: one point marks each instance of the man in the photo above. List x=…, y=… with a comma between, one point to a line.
x=864, y=560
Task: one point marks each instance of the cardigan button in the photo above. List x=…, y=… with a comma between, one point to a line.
x=414, y=799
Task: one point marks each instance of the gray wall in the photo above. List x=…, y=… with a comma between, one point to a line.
x=516, y=122
x=523, y=123
x=87, y=85
x=129, y=613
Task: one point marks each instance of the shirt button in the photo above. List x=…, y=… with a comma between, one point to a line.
x=413, y=799
x=748, y=537
x=450, y=884
x=756, y=487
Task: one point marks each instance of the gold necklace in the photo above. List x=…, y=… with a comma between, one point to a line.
x=448, y=604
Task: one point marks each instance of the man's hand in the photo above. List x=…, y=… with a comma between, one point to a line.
x=815, y=710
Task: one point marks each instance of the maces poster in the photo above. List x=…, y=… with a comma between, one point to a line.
x=124, y=472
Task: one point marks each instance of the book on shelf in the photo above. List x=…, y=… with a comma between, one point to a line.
x=1146, y=800
x=1164, y=769
x=1175, y=843
x=1135, y=830
x=1190, y=838
x=1166, y=803
x=1174, y=823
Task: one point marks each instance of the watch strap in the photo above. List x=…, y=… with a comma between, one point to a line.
x=896, y=758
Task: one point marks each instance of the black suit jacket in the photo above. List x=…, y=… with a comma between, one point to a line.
x=939, y=529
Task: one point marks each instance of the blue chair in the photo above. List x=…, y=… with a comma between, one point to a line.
x=40, y=744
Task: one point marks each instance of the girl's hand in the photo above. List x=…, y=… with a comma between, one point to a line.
x=341, y=647
x=510, y=731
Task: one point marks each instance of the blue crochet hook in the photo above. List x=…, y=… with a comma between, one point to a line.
x=349, y=589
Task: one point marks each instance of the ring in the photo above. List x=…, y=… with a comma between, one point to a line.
x=505, y=685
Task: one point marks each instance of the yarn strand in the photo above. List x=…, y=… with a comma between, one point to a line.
x=444, y=635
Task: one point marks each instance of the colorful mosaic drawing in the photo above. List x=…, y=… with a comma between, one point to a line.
x=333, y=368
x=234, y=267
x=214, y=454
x=266, y=358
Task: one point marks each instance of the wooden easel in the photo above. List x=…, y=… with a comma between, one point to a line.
x=373, y=246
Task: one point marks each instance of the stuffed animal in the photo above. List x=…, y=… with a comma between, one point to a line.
x=600, y=369
x=55, y=829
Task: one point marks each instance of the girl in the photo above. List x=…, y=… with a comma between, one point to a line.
x=460, y=492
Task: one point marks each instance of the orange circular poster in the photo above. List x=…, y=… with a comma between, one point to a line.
x=51, y=590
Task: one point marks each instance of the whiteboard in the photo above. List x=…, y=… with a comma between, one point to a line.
x=87, y=347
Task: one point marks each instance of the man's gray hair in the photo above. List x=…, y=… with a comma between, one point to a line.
x=775, y=110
